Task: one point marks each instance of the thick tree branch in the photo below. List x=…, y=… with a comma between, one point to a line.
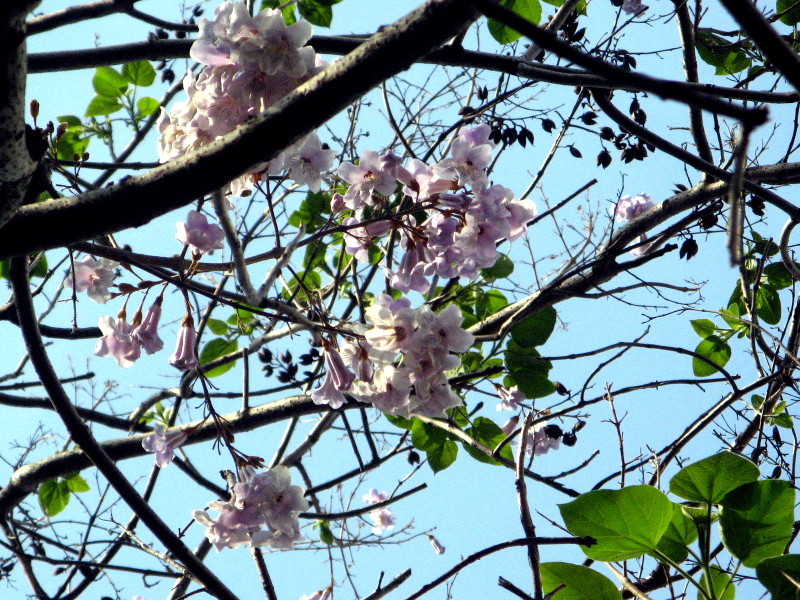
x=16, y=164
x=89, y=447
x=137, y=200
x=449, y=56
x=773, y=46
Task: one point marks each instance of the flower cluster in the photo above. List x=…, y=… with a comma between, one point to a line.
x=630, y=207
x=262, y=511
x=467, y=217
x=250, y=64
x=125, y=341
x=399, y=366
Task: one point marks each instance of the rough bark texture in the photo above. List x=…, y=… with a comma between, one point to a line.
x=16, y=165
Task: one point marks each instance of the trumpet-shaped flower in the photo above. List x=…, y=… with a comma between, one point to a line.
x=117, y=341
x=146, y=333
x=185, y=355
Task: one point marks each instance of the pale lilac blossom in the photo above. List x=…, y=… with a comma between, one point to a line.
x=163, y=444
x=146, y=331
x=307, y=164
x=185, y=355
x=200, y=235
x=509, y=398
x=633, y=7
x=262, y=511
x=368, y=176
x=542, y=438
x=383, y=519
x=630, y=207
x=93, y=277
x=437, y=546
x=117, y=341
x=374, y=496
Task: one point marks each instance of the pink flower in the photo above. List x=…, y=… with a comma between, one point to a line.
x=257, y=501
x=185, y=355
x=163, y=444
x=117, y=341
x=510, y=398
x=510, y=425
x=542, y=439
x=633, y=7
x=437, y=546
x=146, y=333
x=383, y=519
x=631, y=207
x=374, y=496
x=199, y=234
x=367, y=176
x=93, y=277
x=308, y=163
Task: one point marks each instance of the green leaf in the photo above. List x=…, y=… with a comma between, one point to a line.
x=53, y=497
x=711, y=479
x=792, y=17
x=310, y=280
x=757, y=519
x=107, y=82
x=778, y=276
x=527, y=371
x=218, y=327
x=768, y=304
x=100, y=106
x=315, y=12
x=139, y=73
x=70, y=120
x=501, y=269
x=489, y=303
x=779, y=575
x=680, y=533
x=425, y=436
x=487, y=432
x=764, y=246
x=720, y=583
x=76, y=484
x=536, y=329
x=40, y=270
x=310, y=211
x=734, y=63
x=442, y=456
x=626, y=523
x=580, y=583
x=719, y=52
x=71, y=144
x=527, y=9
x=147, y=106
x=213, y=350
x=714, y=349
x=400, y=422
x=703, y=327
